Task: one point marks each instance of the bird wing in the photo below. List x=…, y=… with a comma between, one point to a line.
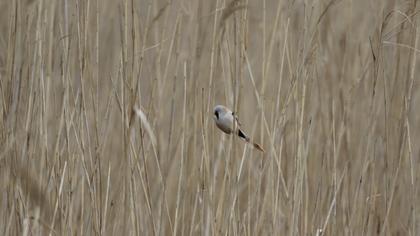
x=236, y=119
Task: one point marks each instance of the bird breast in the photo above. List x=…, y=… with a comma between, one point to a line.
x=225, y=123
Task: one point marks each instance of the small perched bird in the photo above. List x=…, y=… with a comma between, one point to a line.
x=227, y=121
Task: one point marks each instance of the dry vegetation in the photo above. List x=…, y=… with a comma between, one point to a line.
x=107, y=126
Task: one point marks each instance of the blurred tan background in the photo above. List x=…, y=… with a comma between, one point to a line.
x=329, y=88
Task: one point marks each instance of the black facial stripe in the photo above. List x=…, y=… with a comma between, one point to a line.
x=216, y=113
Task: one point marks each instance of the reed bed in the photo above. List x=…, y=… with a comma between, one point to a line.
x=106, y=124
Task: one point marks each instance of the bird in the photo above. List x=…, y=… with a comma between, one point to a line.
x=227, y=121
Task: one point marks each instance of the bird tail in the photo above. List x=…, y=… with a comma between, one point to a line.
x=257, y=146
x=248, y=140
x=243, y=135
